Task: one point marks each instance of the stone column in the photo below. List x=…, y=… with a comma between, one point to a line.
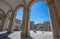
x=55, y=38
x=11, y=23
x=3, y=23
x=54, y=17
x=26, y=23
x=57, y=3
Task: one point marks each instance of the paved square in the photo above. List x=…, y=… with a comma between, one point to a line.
x=33, y=35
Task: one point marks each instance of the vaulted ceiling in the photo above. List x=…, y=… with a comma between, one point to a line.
x=7, y=5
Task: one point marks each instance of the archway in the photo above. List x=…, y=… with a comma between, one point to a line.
x=1, y=15
x=18, y=20
x=8, y=20
x=41, y=16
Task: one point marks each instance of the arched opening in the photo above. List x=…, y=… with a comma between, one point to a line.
x=1, y=15
x=18, y=20
x=8, y=20
x=40, y=17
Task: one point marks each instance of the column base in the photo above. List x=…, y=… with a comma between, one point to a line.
x=1, y=30
x=56, y=36
x=9, y=32
x=25, y=34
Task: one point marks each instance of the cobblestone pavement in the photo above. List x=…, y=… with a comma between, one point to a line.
x=33, y=35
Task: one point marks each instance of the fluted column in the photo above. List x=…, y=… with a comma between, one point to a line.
x=3, y=23
x=26, y=22
x=54, y=17
x=11, y=23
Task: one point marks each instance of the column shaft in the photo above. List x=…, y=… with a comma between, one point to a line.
x=26, y=23
x=3, y=23
x=54, y=17
x=57, y=3
x=11, y=23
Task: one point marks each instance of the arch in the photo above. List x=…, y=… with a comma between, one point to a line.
x=9, y=11
x=18, y=7
x=2, y=14
x=2, y=11
x=7, y=3
x=8, y=18
x=38, y=3
x=31, y=3
x=16, y=10
x=54, y=28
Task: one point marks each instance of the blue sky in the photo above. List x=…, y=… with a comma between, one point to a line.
x=39, y=13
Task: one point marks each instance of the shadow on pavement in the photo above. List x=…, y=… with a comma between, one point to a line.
x=4, y=36
x=26, y=37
